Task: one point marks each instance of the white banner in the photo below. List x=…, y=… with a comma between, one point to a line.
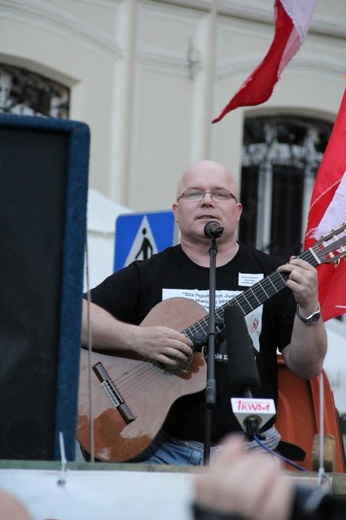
x=110, y=495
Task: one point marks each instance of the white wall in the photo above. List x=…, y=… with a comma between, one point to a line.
x=148, y=107
x=101, y=218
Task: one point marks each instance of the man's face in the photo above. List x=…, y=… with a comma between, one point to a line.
x=192, y=215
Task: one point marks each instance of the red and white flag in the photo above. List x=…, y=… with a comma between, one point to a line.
x=328, y=212
x=292, y=22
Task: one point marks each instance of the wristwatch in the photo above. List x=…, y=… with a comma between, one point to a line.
x=312, y=319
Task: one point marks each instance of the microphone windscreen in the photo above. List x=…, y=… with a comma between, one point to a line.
x=242, y=367
x=213, y=229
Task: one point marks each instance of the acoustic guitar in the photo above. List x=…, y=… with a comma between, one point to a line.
x=129, y=398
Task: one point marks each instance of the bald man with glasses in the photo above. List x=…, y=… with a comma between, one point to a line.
x=206, y=192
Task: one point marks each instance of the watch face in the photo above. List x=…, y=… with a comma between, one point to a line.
x=314, y=318
x=310, y=320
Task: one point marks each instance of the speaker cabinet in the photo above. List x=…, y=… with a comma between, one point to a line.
x=43, y=198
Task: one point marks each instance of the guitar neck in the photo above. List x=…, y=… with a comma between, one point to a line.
x=250, y=299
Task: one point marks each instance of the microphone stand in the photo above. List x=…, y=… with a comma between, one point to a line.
x=210, y=392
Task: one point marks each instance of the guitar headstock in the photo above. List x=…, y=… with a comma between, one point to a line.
x=331, y=248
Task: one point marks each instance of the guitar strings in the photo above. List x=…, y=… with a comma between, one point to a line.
x=141, y=375
x=138, y=377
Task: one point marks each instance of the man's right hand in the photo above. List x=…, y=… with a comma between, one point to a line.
x=161, y=344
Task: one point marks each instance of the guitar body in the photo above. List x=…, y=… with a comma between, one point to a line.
x=147, y=390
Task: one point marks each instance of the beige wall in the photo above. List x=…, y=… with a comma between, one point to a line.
x=149, y=111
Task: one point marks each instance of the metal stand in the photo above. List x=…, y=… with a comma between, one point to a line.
x=210, y=393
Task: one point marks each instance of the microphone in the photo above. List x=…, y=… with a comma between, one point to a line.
x=242, y=368
x=213, y=230
x=250, y=412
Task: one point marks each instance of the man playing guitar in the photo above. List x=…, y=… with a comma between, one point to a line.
x=162, y=288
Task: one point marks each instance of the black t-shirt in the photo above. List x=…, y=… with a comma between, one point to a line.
x=132, y=292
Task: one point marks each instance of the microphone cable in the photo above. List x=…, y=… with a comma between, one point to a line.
x=275, y=454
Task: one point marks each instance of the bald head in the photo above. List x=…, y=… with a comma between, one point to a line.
x=207, y=171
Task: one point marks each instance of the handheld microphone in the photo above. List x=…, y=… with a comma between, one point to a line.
x=213, y=230
x=250, y=412
x=242, y=368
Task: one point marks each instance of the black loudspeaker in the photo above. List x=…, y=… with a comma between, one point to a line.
x=43, y=199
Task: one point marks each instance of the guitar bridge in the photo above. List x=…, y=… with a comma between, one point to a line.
x=112, y=392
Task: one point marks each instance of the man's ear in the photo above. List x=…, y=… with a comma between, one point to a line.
x=240, y=209
x=175, y=211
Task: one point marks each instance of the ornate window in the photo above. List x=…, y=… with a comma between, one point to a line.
x=281, y=157
x=26, y=93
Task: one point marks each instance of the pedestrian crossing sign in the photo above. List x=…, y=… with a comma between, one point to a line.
x=138, y=236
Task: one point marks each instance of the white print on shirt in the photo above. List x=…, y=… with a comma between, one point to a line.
x=249, y=279
x=253, y=319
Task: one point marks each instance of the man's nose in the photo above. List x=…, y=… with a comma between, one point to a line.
x=208, y=198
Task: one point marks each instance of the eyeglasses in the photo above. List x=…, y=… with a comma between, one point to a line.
x=196, y=195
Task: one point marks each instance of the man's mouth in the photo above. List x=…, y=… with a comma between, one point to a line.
x=207, y=217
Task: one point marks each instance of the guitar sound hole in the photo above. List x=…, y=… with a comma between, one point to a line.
x=181, y=368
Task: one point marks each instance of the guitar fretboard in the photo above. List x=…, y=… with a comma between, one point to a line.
x=249, y=299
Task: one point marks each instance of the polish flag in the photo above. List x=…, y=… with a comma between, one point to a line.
x=328, y=212
x=292, y=22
